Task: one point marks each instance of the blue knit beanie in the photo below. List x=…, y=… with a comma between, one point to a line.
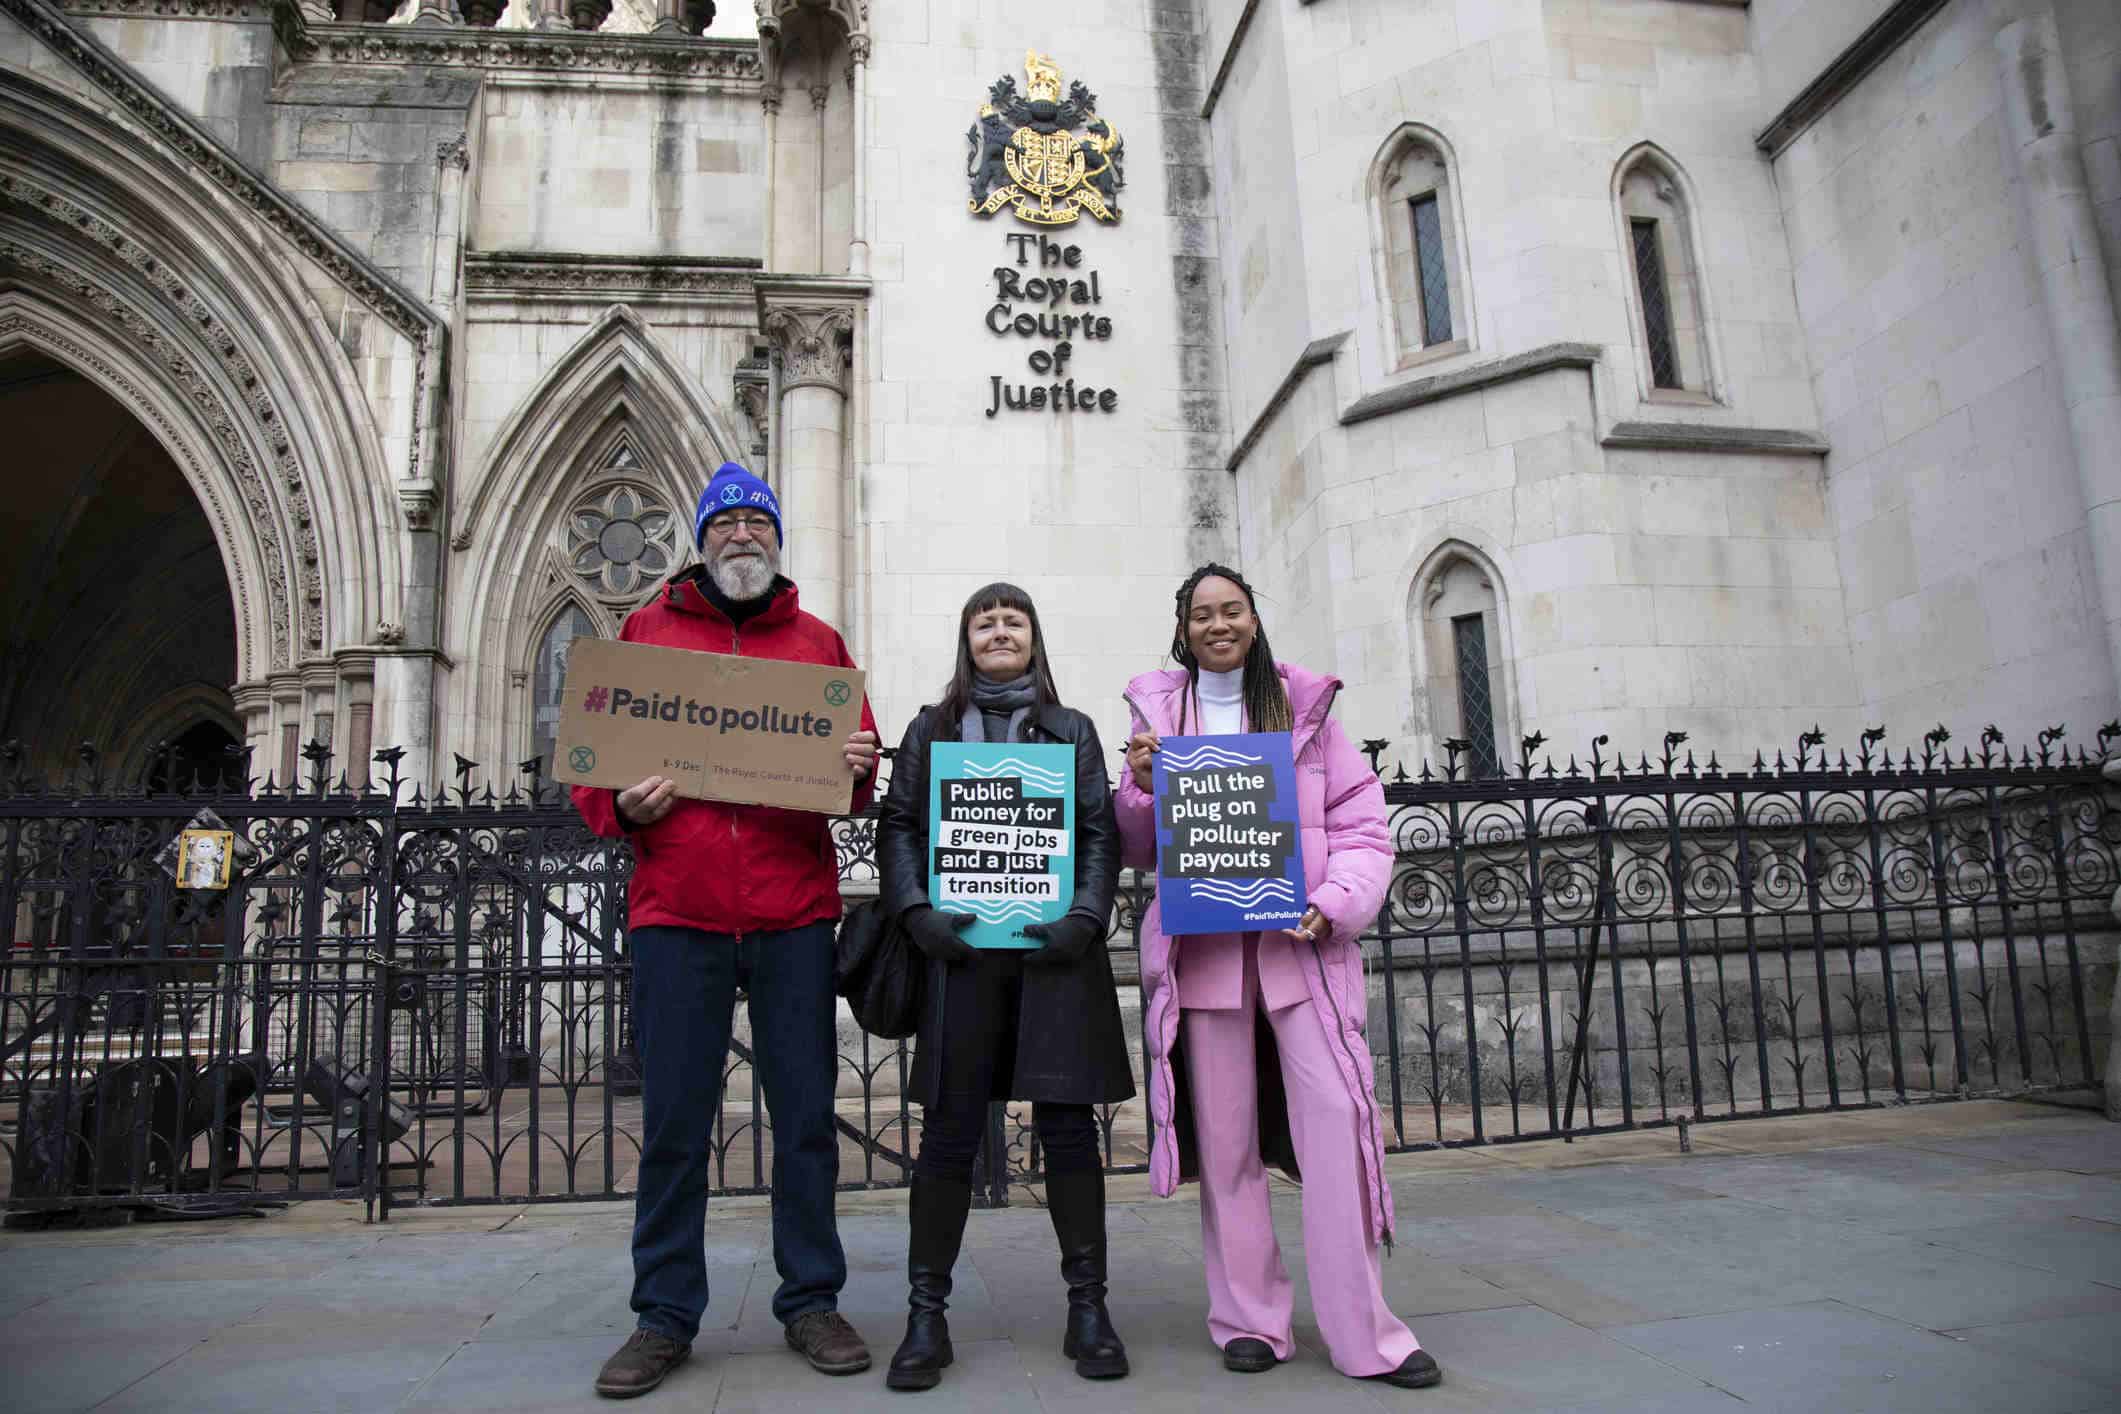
x=732, y=488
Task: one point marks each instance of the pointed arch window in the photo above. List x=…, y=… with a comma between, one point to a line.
x=1461, y=630
x=1664, y=279
x=618, y=539
x=1421, y=247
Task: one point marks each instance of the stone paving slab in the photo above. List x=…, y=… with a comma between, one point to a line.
x=1937, y=1258
x=2088, y=1347
x=1828, y=1355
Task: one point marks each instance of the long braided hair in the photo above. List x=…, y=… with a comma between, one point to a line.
x=1266, y=701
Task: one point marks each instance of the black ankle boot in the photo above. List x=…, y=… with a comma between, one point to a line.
x=937, y=1220
x=1077, y=1201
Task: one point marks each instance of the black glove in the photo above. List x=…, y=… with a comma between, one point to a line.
x=1068, y=939
x=935, y=933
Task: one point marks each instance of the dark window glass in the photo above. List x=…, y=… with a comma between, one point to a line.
x=1435, y=276
x=1476, y=700
x=1656, y=304
x=550, y=678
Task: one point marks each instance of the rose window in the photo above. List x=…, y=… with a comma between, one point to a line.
x=621, y=541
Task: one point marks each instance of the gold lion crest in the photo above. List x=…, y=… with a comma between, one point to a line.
x=1052, y=158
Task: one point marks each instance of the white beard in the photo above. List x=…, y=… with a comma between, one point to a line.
x=745, y=575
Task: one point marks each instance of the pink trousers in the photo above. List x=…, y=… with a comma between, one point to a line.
x=1249, y=1293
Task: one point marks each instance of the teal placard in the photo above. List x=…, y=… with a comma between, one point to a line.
x=1001, y=836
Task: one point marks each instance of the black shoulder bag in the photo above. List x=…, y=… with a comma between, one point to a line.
x=876, y=968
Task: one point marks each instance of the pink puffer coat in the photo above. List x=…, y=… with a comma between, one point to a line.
x=1347, y=850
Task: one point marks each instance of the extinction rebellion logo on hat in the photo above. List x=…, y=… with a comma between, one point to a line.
x=732, y=494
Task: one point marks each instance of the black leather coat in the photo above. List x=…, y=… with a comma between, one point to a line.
x=1070, y=1045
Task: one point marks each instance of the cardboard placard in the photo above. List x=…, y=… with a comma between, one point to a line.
x=1001, y=836
x=754, y=731
x=1229, y=843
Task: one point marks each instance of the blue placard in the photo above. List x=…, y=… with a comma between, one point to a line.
x=1229, y=843
x=1001, y=836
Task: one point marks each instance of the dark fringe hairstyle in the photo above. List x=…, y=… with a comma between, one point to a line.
x=1266, y=701
x=999, y=595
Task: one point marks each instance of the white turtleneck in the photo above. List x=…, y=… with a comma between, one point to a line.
x=1222, y=702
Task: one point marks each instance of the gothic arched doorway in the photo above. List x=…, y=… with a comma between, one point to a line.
x=121, y=631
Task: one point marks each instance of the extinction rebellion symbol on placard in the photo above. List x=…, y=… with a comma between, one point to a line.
x=1051, y=158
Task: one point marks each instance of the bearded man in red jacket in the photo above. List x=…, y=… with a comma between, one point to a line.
x=727, y=896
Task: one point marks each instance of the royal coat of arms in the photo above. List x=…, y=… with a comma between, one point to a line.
x=1049, y=157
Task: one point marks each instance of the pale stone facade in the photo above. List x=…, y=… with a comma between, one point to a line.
x=443, y=318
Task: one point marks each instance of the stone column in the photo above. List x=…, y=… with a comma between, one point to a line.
x=770, y=101
x=669, y=17
x=320, y=716
x=357, y=693
x=858, y=81
x=253, y=703
x=810, y=324
x=452, y=171
x=2078, y=301
x=283, y=753
x=408, y=662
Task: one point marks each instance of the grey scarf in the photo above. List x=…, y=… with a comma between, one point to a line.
x=1016, y=697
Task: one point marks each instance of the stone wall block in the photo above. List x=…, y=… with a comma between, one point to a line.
x=1187, y=191
x=1185, y=138
x=381, y=138
x=1199, y=366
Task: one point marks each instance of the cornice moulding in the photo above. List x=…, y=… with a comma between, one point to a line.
x=1439, y=386
x=547, y=275
x=734, y=61
x=1713, y=437
x=1849, y=68
x=260, y=10
x=1317, y=352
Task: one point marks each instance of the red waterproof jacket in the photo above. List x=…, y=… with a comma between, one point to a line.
x=718, y=867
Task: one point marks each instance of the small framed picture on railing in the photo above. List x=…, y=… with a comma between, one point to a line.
x=203, y=858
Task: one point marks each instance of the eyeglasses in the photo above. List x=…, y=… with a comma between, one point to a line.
x=722, y=527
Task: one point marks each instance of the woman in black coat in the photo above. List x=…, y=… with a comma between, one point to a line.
x=1041, y=1025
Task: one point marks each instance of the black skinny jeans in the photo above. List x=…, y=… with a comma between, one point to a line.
x=979, y=1012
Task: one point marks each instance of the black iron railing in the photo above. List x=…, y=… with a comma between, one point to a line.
x=416, y=1000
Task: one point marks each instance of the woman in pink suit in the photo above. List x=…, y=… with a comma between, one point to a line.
x=1256, y=1051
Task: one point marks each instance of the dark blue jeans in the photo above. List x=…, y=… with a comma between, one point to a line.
x=684, y=997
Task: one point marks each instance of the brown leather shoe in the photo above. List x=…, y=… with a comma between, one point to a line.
x=640, y=1364
x=830, y=1345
